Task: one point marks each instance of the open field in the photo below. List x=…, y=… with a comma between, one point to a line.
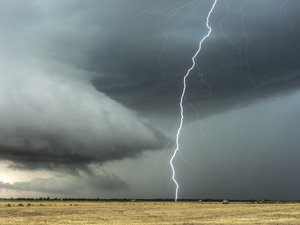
x=185, y=213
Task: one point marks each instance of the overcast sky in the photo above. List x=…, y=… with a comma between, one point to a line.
x=89, y=94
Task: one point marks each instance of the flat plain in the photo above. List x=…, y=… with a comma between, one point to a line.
x=149, y=213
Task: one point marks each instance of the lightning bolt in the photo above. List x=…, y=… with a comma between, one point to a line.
x=182, y=97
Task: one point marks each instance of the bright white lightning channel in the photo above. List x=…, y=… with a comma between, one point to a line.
x=182, y=97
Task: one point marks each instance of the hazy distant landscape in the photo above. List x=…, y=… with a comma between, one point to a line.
x=169, y=213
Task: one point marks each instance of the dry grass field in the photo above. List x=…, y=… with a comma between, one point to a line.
x=185, y=213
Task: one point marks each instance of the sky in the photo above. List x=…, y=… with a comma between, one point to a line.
x=89, y=99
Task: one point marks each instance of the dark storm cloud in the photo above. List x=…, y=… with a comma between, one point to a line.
x=132, y=54
x=73, y=71
x=137, y=51
x=50, y=121
x=51, y=115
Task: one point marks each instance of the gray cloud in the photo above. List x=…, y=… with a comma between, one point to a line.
x=121, y=42
x=272, y=69
x=51, y=116
x=78, y=78
x=49, y=119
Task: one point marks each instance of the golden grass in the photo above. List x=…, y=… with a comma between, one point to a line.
x=131, y=213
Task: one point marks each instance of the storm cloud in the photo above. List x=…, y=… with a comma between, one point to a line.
x=137, y=51
x=90, y=85
x=51, y=115
x=246, y=57
x=48, y=119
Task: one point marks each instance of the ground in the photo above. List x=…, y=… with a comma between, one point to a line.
x=131, y=213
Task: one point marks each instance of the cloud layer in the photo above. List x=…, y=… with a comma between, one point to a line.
x=78, y=78
x=48, y=119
